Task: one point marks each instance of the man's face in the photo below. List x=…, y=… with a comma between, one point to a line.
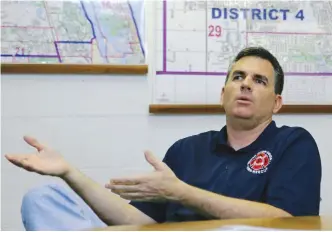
x=249, y=91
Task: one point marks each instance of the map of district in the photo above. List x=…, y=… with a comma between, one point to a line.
x=194, y=42
x=84, y=32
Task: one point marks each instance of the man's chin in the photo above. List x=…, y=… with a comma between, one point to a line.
x=242, y=114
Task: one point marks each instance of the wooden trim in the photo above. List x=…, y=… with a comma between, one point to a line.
x=73, y=69
x=217, y=109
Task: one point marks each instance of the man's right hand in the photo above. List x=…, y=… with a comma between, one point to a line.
x=110, y=208
x=45, y=161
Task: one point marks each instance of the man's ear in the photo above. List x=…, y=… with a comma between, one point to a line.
x=277, y=104
x=222, y=96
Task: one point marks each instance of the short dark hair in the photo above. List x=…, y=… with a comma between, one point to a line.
x=266, y=55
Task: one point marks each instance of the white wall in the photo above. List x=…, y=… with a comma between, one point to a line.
x=102, y=125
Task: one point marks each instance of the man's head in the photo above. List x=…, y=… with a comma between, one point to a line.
x=253, y=85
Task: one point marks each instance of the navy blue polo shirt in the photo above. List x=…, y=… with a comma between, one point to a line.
x=281, y=168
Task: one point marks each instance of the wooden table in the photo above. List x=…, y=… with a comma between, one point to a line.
x=294, y=223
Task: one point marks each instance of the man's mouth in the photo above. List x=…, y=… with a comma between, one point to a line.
x=244, y=100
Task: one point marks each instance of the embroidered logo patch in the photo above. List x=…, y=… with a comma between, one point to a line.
x=258, y=163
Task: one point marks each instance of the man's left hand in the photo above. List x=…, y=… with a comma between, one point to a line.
x=160, y=185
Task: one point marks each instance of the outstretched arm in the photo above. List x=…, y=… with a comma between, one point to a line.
x=217, y=206
x=110, y=208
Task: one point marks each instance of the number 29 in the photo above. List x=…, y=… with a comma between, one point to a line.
x=215, y=31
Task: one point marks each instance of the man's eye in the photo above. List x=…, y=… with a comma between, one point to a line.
x=260, y=81
x=237, y=77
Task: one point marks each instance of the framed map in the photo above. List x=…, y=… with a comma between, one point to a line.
x=72, y=32
x=197, y=40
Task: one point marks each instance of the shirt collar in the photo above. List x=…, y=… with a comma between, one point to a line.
x=221, y=139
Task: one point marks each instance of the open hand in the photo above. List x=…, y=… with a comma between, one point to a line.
x=45, y=161
x=160, y=185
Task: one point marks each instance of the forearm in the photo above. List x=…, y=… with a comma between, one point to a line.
x=109, y=207
x=222, y=207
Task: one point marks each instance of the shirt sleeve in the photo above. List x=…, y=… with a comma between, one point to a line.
x=157, y=210
x=294, y=185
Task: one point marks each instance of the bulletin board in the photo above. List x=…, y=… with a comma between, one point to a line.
x=197, y=40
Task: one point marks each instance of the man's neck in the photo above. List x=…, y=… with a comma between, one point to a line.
x=240, y=137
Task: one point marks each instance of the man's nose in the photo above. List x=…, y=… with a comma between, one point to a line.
x=246, y=84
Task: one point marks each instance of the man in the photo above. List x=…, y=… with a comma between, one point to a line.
x=250, y=168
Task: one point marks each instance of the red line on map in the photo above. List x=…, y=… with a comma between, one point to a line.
x=116, y=57
x=41, y=42
x=247, y=38
x=50, y=22
x=288, y=33
x=27, y=27
x=54, y=33
x=77, y=57
x=91, y=50
x=132, y=31
x=98, y=25
x=284, y=33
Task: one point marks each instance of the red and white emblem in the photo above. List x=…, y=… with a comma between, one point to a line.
x=258, y=163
